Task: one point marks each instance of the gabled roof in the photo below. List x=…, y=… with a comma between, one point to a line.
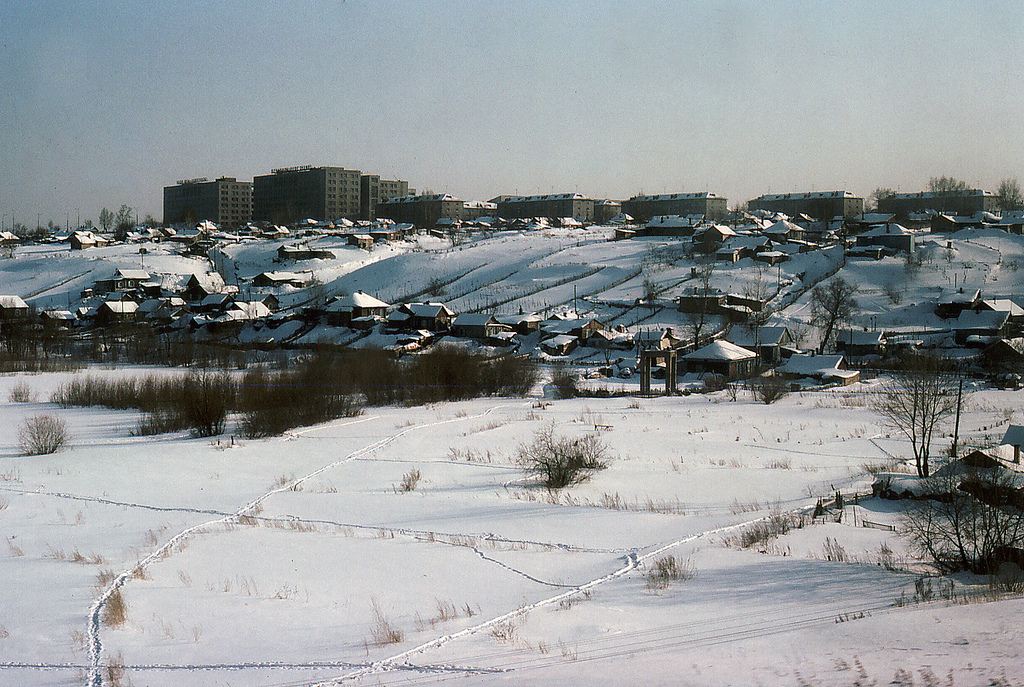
x=986, y=319
x=356, y=300
x=427, y=309
x=1014, y=436
x=13, y=302
x=467, y=319
x=765, y=336
x=812, y=365
x=720, y=350
x=135, y=275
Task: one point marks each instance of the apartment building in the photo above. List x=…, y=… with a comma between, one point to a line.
x=423, y=211
x=374, y=190
x=643, y=208
x=966, y=203
x=225, y=201
x=295, y=193
x=821, y=205
x=553, y=206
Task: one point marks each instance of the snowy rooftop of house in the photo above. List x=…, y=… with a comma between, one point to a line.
x=812, y=365
x=1014, y=436
x=357, y=300
x=984, y=319
x=783, y=227
x=765, y=336
x=675, y=220
x=887, y=229
x=859, y=337
x=721, y=350
x=468, y=319
x=427, y=309
x=12, y=302
x=1006, y=305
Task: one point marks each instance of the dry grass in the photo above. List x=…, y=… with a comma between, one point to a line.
x=667, y=570
x=384, y=632
x=409, y=481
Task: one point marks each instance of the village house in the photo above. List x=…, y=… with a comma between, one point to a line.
x=199, y=286
x=14, y=309
x=298, y=280
x=720, y=358
x=110, y=313
x=80, y=240
x=432, y=317
x=124, y=279
x=860, y=343
x=822, y=369
x=768, y=342
x=980, y=327
x=302, y=253
x=477, y=326
x=563, y=344
x=359, y=310
x=657, y=339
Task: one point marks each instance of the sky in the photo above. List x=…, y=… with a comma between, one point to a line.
x=105, y=102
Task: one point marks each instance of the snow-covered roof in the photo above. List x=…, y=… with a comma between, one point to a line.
x=356, y=300
x=808, y=196
x=1014, y=436
x=765, y=336
x=804, y=365
x=783, y=227
x=467, y=319
x=720, y=350
x=984, y=319
x=14, y=302
x=676, y=196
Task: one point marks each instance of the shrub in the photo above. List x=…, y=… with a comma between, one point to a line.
x=768, y=390
x=204, y=402
x=410, y=480
x=667, y=570
x=565, y=384
x=42, y=434
x=20, y=393
x=562, y=461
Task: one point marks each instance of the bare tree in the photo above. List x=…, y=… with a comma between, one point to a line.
x=877, y=195
x=832, y=304
x=916, y=400
x=946, y=184
x=700, y=310
x=106, y=219
x=123, y=222
x=1009, y=196
x=973, y=522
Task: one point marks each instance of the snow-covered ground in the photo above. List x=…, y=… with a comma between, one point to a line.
x=284, y=561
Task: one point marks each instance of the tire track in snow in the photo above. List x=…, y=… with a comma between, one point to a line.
x=95, y=677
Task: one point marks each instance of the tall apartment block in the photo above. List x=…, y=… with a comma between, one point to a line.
x=225, y=201
x=295, y=193
x=709, y=205
x=374, y=190
x=966, y=202
x=821, y=205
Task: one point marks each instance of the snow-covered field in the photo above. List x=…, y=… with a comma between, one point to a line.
x=286, y=560
x=296, y=560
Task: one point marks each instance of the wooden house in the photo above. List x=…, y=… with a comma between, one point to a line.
x=721, y=358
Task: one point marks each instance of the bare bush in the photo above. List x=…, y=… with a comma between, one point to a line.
x=42, y=434
x=565, y=384
x=410, y=480
x=563, y=461
x=667, y=570
x=768, y=390
x=21, y=393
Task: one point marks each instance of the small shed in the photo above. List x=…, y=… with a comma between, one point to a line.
x=1014, y=437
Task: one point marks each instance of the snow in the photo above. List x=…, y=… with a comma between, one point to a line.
x=267, y=562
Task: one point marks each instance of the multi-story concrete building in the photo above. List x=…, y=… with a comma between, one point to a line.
x=295, y=193
x=225, y=201
x=423, y=211
x=553, y=206
x=373, y=190
x=709, y=205
x=966, y=202
x=821, y=205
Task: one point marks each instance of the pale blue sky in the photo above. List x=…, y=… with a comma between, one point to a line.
x=105, y=102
